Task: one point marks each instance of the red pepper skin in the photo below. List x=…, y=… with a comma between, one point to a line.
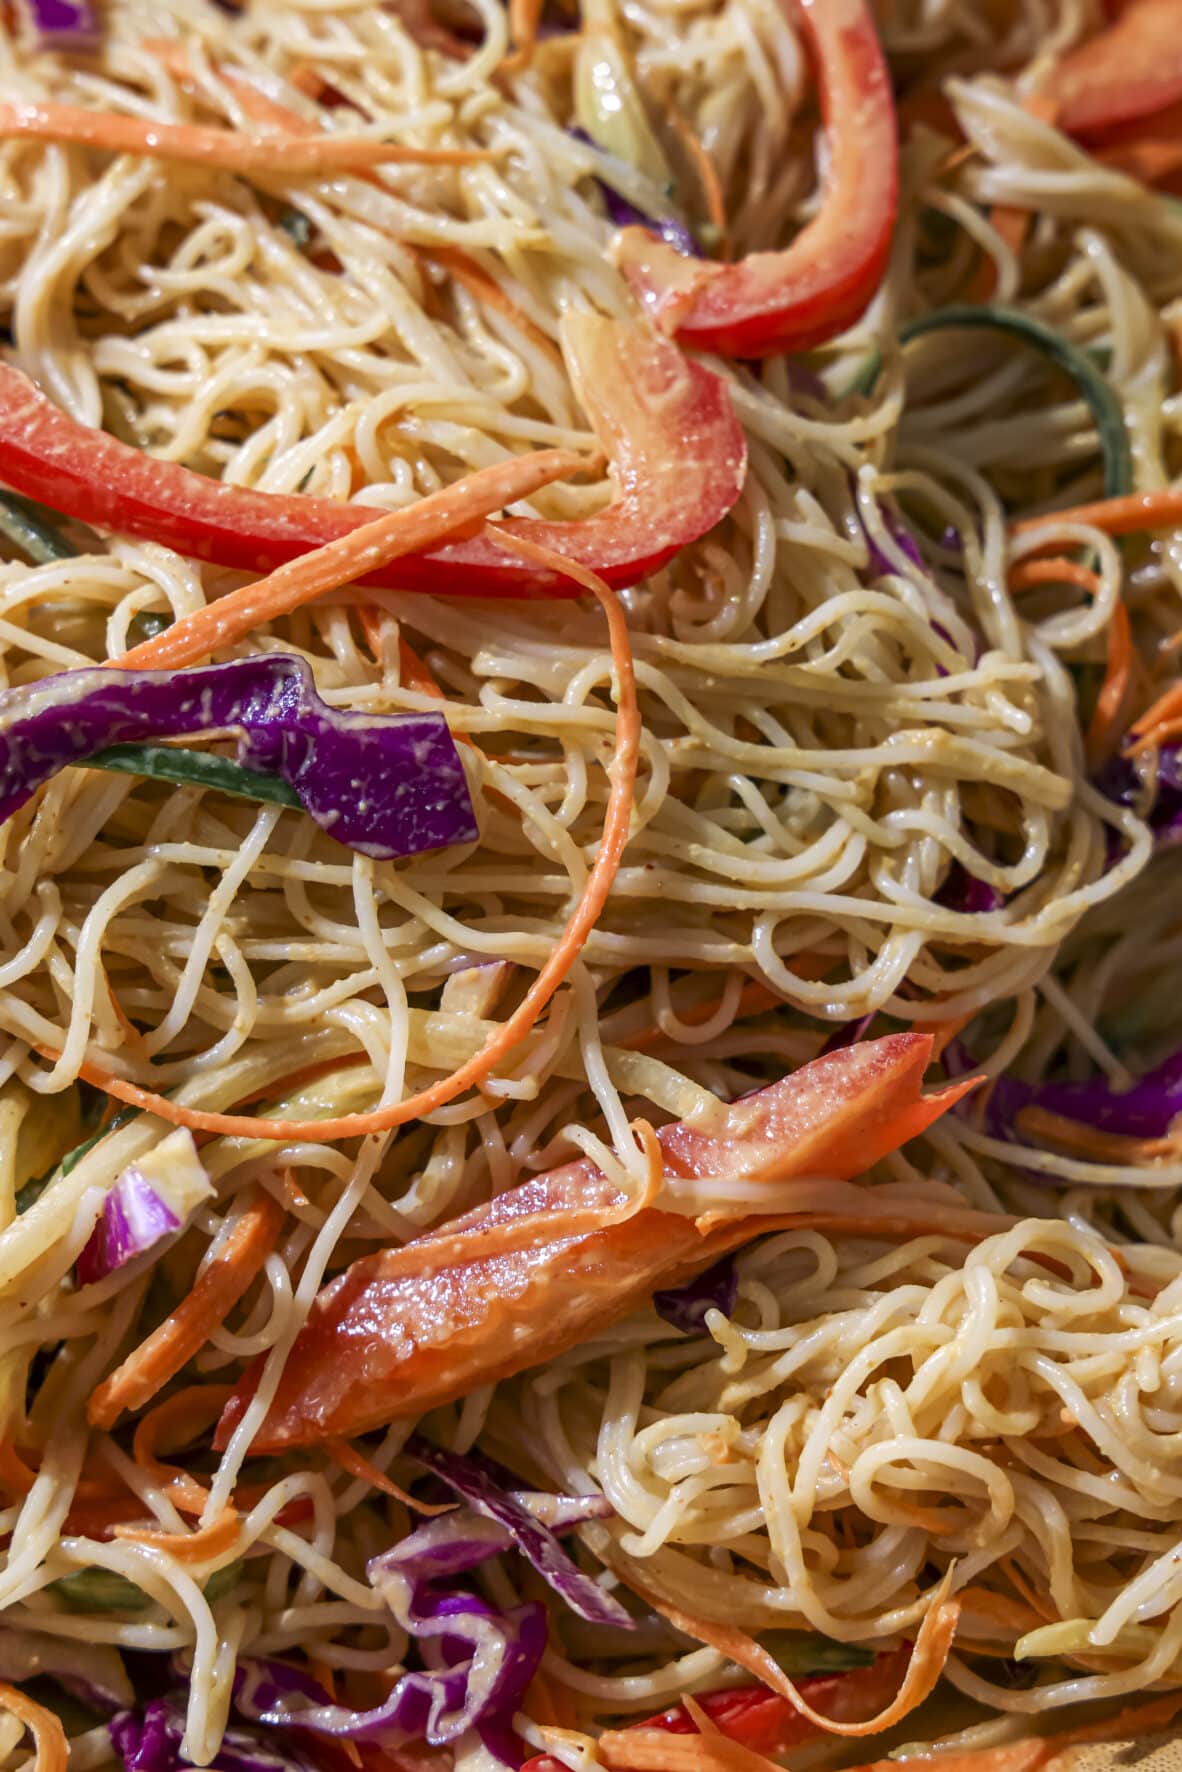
x=677, y=450
x=771, y=302
x=1131, y=70
x=768, y=1724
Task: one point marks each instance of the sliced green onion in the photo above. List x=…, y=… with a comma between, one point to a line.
x=33, y=1190
x=33, y=529
x=1094, y=387
x=198, y=769
x=800, y=1653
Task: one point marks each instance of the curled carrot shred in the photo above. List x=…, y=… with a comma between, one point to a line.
x=932, y=1645
x=440, y=516
x=52, y=1750
x=214, y=1540
x=1107, y=721
x=1127, y=514
x=511, y=1032
x=344, y=1453
x=225, y=149
x=657, y=1750
x=214, y=1293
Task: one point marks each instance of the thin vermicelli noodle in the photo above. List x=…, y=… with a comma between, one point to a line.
x=880, y=770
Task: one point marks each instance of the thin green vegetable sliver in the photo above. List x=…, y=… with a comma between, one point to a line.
x=1096, y=390
x=197, y=769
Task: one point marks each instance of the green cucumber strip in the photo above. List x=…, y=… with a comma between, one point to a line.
x=1092, y=384
x=31, y=528
x=800, y=1653
x=194, y=769
x=102, y=1590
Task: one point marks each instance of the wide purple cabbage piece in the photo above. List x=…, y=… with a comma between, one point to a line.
x=150, y=1740
x=385, y=785
x=482, y=1485
x=477, y=1660
x=150, y=1200
x=1146, y=1110
x=686, y=1307
x=66, y=24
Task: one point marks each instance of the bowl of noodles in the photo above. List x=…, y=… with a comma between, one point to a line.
x=590, y=803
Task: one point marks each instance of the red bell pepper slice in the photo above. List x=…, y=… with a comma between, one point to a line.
x=677, y=451
x=790, y=301
x=768, y=1724
x=1130, y=70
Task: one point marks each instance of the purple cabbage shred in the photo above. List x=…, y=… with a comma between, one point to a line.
x=384, y=785
x=66, y=24
x=962, y=891
x=134, y=1218
x=686, y=1307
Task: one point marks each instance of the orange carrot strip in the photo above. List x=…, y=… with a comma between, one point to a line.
x=180, y=1418
x=15, y=1474
x=225, y=149
x=1028, y=573
x=414, y=672
x=358, y=1465
x=1013, y=225
x=201, y=1546
x=214, y=1293
x=1128, y=514
x=52, y=1750
x=657, y=1750
x=510, y=1033
x=932, y=1644
x=476, y=280
x=754, y=999
x=524, y=18
x=441, y=516
x=1107, y=721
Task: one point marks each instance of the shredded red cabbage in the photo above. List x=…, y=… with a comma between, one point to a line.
x=477, y=1661
x=686, y=1306
x=1157, y=796
x=134, y=1218
x=962, y=891
x=1146, y=1110
x=669, y=228
x=65, y=24
x=481, y=1483
x=149, y=1740
x=385, y=785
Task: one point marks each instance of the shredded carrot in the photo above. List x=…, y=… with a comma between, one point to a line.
x=754, y=999
x=133, y=1037
x=944, y=1032
x=358, y=1465
x=1158, y=721
x=549, y=1701
x=1012, y=225
x=1127, y=514
x=179, y=1420
x=524, y=18
x=1087, y=1141
x=932, y=1644
x=1035, y=1752
x=15, y=1474
x=214, y=1293
x=415, y=673
x=1038, y=1605
x=510, y=1033
x=1107, y=722
x=201, y=1546
x=1010, y=1614
x=707, y=173
x=444, y=515
x=476, y=280
x=53, y=1752
x=225, y=149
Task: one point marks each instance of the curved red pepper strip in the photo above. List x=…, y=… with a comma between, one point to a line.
x=790, y=301
x=767, y=1723
x=677, y=451
x=1130, y=70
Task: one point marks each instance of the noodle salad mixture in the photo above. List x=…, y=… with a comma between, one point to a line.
x=590, y=795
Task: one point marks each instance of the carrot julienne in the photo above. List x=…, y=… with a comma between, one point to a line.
x=216, y=1290
x=437, y=517
x=224, y=149
x=1128, y=514
x=511, y=1032
x=52, y=1750
x=1106, y=725
x=207, y=1542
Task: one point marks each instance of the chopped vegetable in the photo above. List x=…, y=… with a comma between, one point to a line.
x=151, y=1740
x=66, y=24
x=52, y=1749
x=1130, y=70
x=471, y=1479
x=1093, y=386
x=667, y=226
x=195, y=769
x=510, y=1033
x=962, y=891
x=226, y=149
x=105, y=1590
x=1146, y=1110
x=480, y=1660
x=608, y=104
x=381, y=1342
x=771, y=302
x=23, y=523
x=687, y=1307
x=150, y=1200
x=386, y=785
x=768, y=1723
x=677, y=449
x=220, y=1283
